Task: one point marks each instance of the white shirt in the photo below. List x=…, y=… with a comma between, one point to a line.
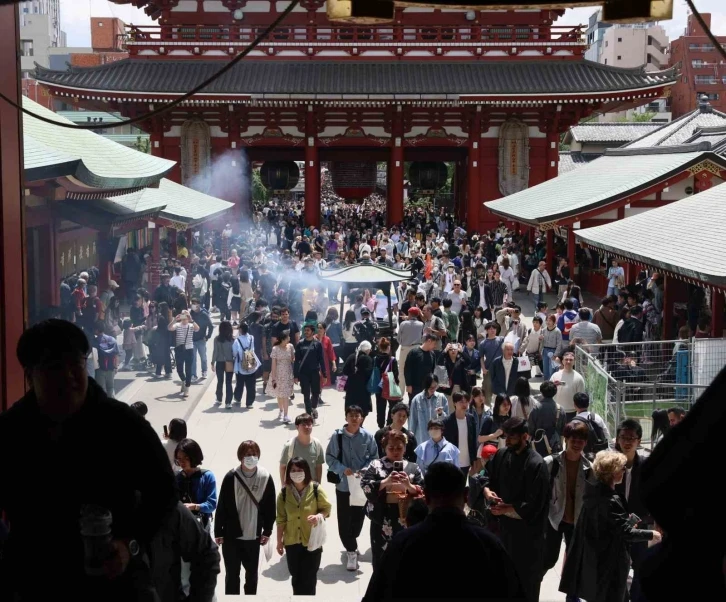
x=507, y=369
x=482, y=297
x=364, y=248
x=464, y=458
x=572, y=383
x=177, y=281
x=457, y=301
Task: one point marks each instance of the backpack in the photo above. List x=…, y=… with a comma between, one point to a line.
x=364, y=331
x=596, y=440
x=248, y=360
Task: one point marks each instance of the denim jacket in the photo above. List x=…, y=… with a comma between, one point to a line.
x=423, y=409
x=358, y=452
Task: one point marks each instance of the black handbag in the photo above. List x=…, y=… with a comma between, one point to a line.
x=334, y=477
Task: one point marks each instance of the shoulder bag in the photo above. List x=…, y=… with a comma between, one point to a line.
x=333, y=477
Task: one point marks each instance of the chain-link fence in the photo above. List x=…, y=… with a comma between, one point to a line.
x=635, y=379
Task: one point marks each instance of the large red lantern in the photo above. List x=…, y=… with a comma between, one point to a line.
x=279, y=176
x=354, y=180
x=428, y=176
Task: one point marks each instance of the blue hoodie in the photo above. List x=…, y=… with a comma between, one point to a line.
x=359, y=451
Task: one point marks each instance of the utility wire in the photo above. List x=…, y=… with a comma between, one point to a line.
x=706, y=29
x=168, y=106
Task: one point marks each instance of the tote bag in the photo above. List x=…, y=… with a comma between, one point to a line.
x=373, y=385
x=390, y=390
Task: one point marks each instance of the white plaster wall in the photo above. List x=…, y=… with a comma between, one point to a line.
x=185, y=6
x=377, y=53
x=214, y=6
x=677, y=191
x=174, y=131
x=630, y=211
x=492, y=132
x=257, y=6
x=215, y=131
x=609, y=215
x=535, y=133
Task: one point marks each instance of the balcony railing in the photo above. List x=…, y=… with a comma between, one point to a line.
x=152, y=37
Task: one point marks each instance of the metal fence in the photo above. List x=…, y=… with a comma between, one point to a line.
x=632, y=380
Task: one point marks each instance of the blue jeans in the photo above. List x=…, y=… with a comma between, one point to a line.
x=540, y=297
x=613, y=290
x=547, y=367
x=200, y=347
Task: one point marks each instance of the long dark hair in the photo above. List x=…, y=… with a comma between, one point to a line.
x=226, y=332
x=522, y=391
x=661, y=424
x=498, y=401
x=349, y=319
x=164, y=311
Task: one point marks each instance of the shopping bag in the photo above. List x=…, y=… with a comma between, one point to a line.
x=524, y=364
x=391, y=391
x=357, y=497
x=317, y=535
x=513, y=339
x=443, y=376
x=340, y=383
x=373, y=382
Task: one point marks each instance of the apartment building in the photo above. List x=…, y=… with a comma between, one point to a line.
x=703, y=70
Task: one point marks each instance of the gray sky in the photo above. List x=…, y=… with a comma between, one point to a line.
x=75, y=15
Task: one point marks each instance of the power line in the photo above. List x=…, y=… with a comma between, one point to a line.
x=168, y=106
x=706, y=29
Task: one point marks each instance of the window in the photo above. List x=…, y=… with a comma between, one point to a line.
x=697, y=63
x=707, y=47
x=709, y=95
x=606, y=61
x=620, y=39
x=26, y=47
x=706, y=79
x=606, y=43
x=694, y=47
x=620, y=58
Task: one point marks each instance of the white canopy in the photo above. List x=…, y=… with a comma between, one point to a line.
x=365, y=273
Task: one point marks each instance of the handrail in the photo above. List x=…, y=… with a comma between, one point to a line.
x=366, y=35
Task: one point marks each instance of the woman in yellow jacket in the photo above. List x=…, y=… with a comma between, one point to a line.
x=300, y=505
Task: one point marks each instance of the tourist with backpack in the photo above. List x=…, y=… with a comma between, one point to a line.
x=301, y=506
x=569, y=472
x=599, y=434
x=547, y=422
x=246, y=364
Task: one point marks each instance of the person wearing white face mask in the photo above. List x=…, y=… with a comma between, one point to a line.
x=437, y=448
x=301, y=505
x=244, y=519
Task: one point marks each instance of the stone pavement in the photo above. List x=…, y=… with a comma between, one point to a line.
x=220, y=431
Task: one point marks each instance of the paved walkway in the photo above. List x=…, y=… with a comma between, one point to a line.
x=220, y=431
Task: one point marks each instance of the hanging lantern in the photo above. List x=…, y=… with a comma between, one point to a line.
x=279, y=176
x=428, y=176
x=354, y=180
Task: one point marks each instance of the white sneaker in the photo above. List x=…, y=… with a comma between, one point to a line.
x=352, y=564
x=286, y=420
x=279, y=415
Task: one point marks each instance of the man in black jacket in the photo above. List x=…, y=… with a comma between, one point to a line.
x=68, y=425
x=419, y=364
x=240, y=537
x=517, y=485
x=201, y=336
x=461, y=421
x=308, y=369
x=182, y=537
x=410, y=570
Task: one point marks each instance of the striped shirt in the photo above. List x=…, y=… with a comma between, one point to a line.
x=185, y=336
x=499, y=289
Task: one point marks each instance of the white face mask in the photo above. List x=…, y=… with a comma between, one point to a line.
x=297, y=477
x=250, y=462
x=195, y=307
x=435, y=434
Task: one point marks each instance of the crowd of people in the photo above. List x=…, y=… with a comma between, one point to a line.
x=463, y=426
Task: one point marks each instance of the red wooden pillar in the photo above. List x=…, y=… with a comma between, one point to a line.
x=571, y=249
x=473, y=174
x=104, y=261
x=550, y=249
x=717, y=307
x=396, y=168
x=173, y=247
x=395, y=182
x=12, y=228
x=552, y=153
x=312, y=172
x=155, y=265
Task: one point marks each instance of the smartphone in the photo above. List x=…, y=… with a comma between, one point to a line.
x=166, y=431
x=398, y=466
